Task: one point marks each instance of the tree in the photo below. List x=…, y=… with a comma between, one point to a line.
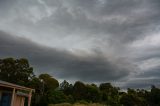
x=133, y=98
x=36, y=84
x=105, y=87
x=128, y=100
x=64, y=85
x=16, y=71
x=44, y=85
x=154, y=96
x=66, y=88
x=105, y=91
x=49, y=83
x=92, y=93
x=110, y=94
x=56, y=96
x=79, y=90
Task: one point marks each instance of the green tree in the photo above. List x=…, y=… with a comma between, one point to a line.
x=48, y=86
x=110, y=94
x=36, y=84
x=56, y=96
x=154, y=96
x=64, y=85
x=105, y=89
x=66, y=88
x=79, y=90
x=16, y=71
x=48, y=83
x=92, y=93
x=133, y=98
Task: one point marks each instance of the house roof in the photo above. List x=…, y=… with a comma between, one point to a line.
x=11, y=85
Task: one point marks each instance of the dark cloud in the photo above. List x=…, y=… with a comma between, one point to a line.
x=119, y=21
x=142, y=83
x=124, y=20
x=116, y=33
x=63, y=64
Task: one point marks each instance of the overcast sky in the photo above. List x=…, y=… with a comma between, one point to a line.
x=96, y=41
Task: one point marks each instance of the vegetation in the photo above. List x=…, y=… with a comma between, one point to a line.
x=50, y=93
x=17, y=71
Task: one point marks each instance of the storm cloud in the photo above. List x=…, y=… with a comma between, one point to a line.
x=62, y=64
x=89, y=40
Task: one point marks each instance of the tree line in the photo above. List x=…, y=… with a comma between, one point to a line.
x=49, y=91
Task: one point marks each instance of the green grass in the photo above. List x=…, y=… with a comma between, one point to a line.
x=77, y=104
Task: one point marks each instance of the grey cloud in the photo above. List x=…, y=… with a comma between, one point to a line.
x=109, y=26
x=139, y=17
x=151, y=72
x=142, y=83
x=62, y=64
x=124, y=20
x=149, y=76
x=134, y=24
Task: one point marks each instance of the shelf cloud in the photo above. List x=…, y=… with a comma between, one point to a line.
x=93, y=40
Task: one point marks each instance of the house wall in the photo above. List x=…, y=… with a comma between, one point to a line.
x=19, y=100
x=5, y=98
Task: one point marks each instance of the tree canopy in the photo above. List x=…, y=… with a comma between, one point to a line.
x=17, y=71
